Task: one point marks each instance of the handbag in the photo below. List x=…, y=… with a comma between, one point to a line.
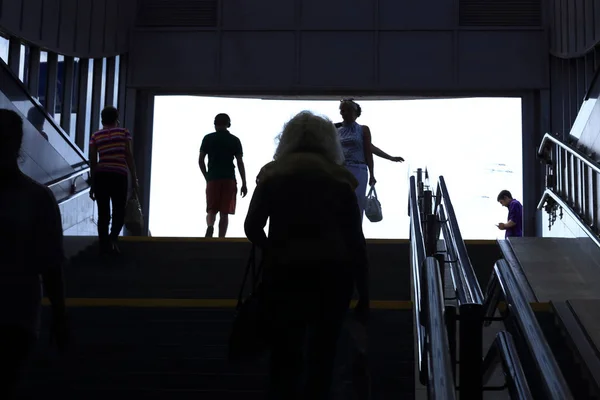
x=373, y=206
x=134, y=217
x=248, y=338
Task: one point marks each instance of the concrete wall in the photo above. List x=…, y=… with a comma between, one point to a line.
x=587, y=125
x=82, y=28
x=79, y=216
x=570, y=79
x=338, y=46
x=563, y=227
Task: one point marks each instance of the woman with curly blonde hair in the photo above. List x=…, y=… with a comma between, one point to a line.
x=314, y=254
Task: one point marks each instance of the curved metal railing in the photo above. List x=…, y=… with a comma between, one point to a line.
x=548, y=138
x=572, y=179
x=81, y=169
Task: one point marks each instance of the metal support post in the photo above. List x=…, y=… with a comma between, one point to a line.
x=450, y=317
x=550, y=181
x=429, y=220
x=430, y=238
x=470, y=351
x=427, y=202
x=419, y=182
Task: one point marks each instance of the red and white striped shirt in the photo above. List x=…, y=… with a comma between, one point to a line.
x=112, y=149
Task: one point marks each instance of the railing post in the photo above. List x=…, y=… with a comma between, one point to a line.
x=550, y=177
x=470, y=351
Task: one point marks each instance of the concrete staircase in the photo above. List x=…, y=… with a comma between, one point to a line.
x=155, y=326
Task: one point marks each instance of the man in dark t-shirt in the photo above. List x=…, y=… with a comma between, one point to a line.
x=221, y=147
x=514, y=225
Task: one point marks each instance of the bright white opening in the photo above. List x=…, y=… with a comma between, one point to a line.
x=475, y=143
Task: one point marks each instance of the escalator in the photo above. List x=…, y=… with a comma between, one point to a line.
x=542, y=290
x=459, y=350
x=48, y=155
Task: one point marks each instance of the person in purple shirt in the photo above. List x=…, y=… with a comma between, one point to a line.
x=514, y=225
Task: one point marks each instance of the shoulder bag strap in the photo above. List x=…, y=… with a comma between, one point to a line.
x=251, y=266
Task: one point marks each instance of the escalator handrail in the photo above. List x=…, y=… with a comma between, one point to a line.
x=73, y=196
x=552, y=379
x=518, y=387
x=504, y=351
x=70, y=176
x=417, y=260
x=549, y=193
x=440, y=376
x=456, y=274
x=464, y=263
x=37, y=104
x=548, y=138
x=416, y=221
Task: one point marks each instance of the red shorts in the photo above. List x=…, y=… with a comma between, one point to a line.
x=220, y=196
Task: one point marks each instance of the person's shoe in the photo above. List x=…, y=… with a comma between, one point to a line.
x=115, y=248
x=210, y=231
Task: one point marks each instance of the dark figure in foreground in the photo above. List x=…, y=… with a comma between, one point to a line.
x=110, y=177
x=514, y=224
x=314, y=254
x=221, y=147
x=31, y=256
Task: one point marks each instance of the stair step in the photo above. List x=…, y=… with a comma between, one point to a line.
x=102, y=378
x=98, y=393
x=180, y=352
x=173, y=353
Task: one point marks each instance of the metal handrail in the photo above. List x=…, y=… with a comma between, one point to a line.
x=441, y=381
x=552, y=379
x=549, y=193
x=471, y=284
x=68, y=177
x=492, y=299
x=570, y=149
x=74, y=196
x=504, y=351
x=458, y=278
x=417, y=259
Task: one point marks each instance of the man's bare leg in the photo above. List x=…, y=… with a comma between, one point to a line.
x=223, y=224
x=210, y=222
